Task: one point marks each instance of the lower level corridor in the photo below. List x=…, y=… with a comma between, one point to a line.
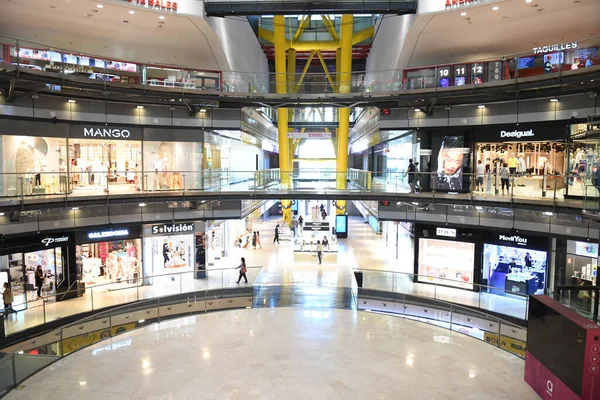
x=385, y=266
x=284, y=353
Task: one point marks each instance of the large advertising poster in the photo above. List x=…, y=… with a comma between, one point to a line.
x=447, y=262
x=452, y=159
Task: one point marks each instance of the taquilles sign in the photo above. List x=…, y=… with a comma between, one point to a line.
x=555, y=47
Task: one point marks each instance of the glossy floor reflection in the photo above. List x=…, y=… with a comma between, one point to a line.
x=285, y=353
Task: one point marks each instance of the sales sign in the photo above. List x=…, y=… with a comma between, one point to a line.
x=158, y=5
x=460, y=3
x=309, y=135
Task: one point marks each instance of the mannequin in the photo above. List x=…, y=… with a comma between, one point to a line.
x=156, y=166
x=512, y=164
x=62, y=169
x=165, y=167
x=521, y=169
x=38, y=173
x=28, y=182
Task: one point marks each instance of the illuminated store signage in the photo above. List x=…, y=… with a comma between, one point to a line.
x=106, y=133
x=521, y=241
x=49, y=241
x=555, y=47
x=517, y=134
x=446, y=232
x=460, y=3
x=108, y=234
x=158, y=5
x=172, y=228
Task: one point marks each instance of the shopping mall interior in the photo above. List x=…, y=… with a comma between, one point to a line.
x=258, y=200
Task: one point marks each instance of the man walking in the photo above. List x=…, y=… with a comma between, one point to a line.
x=276, y=238
x=319, y=250
x=411, y=175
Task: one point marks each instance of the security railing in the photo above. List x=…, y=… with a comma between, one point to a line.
x=73, y=66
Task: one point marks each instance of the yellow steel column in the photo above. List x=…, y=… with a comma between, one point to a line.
x=345, y=72
x=279, y=41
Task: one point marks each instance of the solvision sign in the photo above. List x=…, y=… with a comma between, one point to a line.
x=517, y=134
x=170, y=229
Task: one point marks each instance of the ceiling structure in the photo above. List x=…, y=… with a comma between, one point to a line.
x=112, y=32
x=483, y=33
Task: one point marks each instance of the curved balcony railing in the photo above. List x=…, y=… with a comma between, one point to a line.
x=78, y=66
x=550, y=189
x=429, y=305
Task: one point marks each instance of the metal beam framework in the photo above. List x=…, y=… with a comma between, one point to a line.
x=270, y=7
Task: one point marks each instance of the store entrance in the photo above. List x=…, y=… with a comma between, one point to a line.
x=528, y=162
x=96, y=165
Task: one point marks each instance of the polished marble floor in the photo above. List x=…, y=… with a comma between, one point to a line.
x=284, y=353
x=389, y=268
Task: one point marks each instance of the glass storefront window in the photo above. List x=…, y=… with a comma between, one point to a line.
x=168, y=254
x=582, y=263
x=32, y=165
x=582, y=162
x=117, y=262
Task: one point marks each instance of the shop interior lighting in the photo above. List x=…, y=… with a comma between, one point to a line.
x=142, y=204
x=71, y=101
x=140, y=107
x=481, y=106
x=554, y=100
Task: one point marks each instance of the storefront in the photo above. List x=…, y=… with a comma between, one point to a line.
x=446, y=256
x=514, y=263
x=583, y=155
x=531, y=152
x=111, y=258
x=169, y=248
x=582, y=262
x=20, y=257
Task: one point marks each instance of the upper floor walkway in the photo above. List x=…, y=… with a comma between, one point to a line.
x=36, y=67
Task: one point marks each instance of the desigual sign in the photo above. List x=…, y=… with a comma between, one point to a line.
x=517, y=134
x=112, y=133
x=158, y=5
x=48, y=241
x=555, y=47
x=514, y=239
x=172, y=228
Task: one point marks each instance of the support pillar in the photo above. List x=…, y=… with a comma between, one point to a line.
x=282, y=113
x=345, y=74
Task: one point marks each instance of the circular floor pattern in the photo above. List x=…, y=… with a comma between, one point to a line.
x=284, y=353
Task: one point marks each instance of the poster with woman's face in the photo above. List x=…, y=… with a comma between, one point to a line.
x=452, y=159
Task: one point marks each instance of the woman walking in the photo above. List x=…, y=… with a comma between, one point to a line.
x=39, y=281
x=258, y=240
x=243, y=270
x=504, y=177
x=319, y=250
x=7, y=296
x=254, y=240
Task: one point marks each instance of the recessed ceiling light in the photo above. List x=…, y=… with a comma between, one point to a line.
x=417, y=109
x=161, y=17
x=528, y=1
x=203, y=110
x=75, y=208
x=495, y=8
x=463, y=14
x=481, y=106
x=140, y=107
x=554, y=100
x=131, y=12
x=71, y=101
x=100, y=6
x=1, y=214
x=142, y=204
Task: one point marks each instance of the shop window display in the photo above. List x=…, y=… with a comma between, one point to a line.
x=165, y=171
x=582, y=262
x=514, y=270
x=447, y=263
x=97, y=164
x=169, y=254
x=582, y=164
x=33, y=165
x=110, y=262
